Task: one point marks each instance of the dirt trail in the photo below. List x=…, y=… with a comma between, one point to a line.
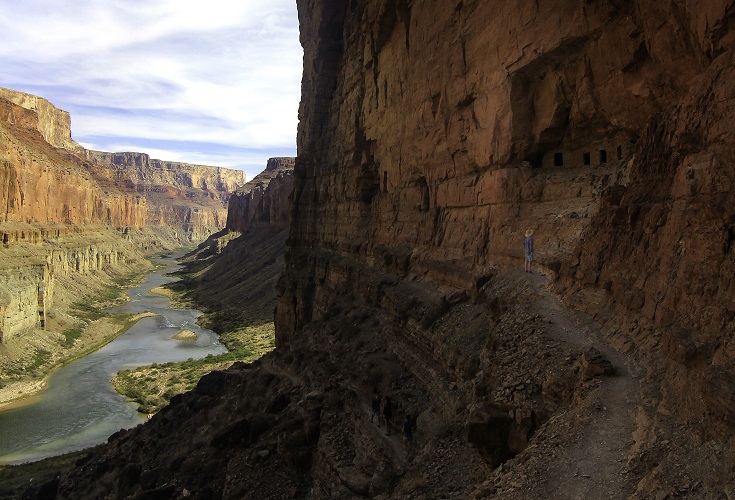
x=583, y=452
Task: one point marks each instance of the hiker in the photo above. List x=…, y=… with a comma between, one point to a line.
x=528, y=249
x=375, y=405
x=387, y=413
x=408, y=427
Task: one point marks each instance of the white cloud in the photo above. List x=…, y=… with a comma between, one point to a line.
x=222, y=72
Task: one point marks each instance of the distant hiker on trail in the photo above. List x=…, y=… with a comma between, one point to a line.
x=408, y=427
x=528, y=249
x=387, y=413
x=375, y=405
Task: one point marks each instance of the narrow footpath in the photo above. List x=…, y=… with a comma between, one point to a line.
x=581, y=453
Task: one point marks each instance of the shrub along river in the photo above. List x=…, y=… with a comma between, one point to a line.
x=79, y=408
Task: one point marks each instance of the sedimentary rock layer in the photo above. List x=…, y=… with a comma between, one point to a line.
x=190, y=197
x=263, y=201
x=54, y=124
x=44, y=184
x=144, y=170
x=432, y=135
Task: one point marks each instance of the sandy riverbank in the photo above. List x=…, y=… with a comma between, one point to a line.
x=17, y=393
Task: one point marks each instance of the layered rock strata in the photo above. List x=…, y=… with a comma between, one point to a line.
x=264, y=200
x=68, y=226
x=432, y=135
x=217, y=181
x=54, y=124
x=43, y=184
x=190, y=197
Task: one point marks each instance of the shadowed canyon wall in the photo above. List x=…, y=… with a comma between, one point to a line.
x=433, y=134
x=233, y=274
x=265, y=199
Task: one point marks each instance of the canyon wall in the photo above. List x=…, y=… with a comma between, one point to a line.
x=54, y=124
x=67, y=219
x=265, y=199
x=432, y=135
x=44, y=184
x=66, y=230
x=190, y=197
x=142, y=169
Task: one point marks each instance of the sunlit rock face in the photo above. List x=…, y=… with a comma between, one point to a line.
x=54, y=124
x=192, y=198
x=67, y=213
x=264, y=200
x=44, y=184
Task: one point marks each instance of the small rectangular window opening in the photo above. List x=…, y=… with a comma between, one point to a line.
x=603, y=156
x=620, y=152
x=558, y=159
x=586, y=158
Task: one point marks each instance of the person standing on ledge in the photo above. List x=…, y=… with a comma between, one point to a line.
x=528, y=248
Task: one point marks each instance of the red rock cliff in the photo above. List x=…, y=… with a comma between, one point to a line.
x=42, y=184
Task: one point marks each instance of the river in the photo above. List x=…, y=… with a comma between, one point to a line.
x=79, y=408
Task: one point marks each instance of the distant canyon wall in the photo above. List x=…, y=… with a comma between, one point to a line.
x=433, y=134
x=143, y=169
x=264, y=200
x=190, y=197
x=69, y=216
x=44, y=184
x=54, y=124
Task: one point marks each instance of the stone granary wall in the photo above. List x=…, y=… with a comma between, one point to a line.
x=433, y=134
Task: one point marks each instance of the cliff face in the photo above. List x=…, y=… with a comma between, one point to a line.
x=264, y=200
x=218, y=182
x=53, y=123
x=432, y=135
x=69, y=226
x=192, y=198
x=43, y=184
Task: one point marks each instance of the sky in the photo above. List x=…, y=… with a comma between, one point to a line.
x=211, y=82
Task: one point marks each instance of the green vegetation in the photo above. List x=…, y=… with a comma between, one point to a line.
x=40, y=357
x=152, y=387
x=70, y=336
x=89, y=328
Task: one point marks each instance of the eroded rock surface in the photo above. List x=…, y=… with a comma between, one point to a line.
x=263, y=201
x=432, y=135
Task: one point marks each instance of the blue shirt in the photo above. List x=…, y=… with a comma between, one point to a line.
x=528, y=245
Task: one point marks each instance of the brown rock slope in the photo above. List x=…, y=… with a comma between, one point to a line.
x=432, y=135
x=232, y=276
